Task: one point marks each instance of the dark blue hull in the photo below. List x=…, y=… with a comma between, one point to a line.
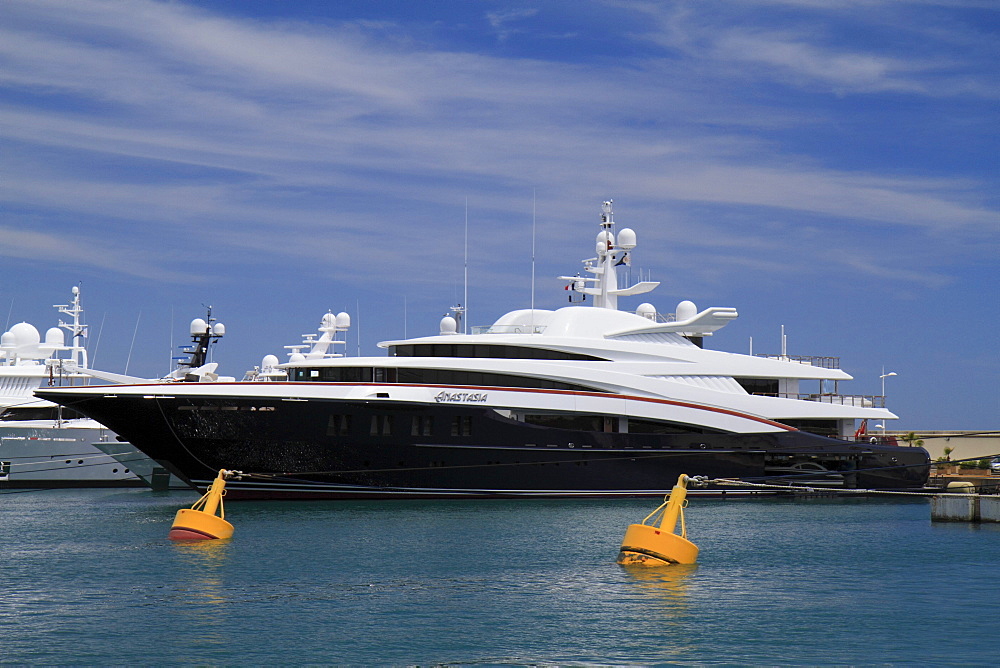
x=342, y=449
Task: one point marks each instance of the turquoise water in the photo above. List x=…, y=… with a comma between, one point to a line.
x=88, y=577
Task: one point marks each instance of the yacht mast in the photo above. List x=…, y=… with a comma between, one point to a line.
x=78, y=331
x=609, y=255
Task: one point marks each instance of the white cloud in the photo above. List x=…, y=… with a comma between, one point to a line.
x=501, y=21
x=859, y=47
x=218, y=125
x=841, y=70
x=53, y=249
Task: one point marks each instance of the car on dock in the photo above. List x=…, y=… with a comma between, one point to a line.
x=995, y=466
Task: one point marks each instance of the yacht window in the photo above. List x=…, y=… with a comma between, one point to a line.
x=636, y=426
x=345, y=374
x=383, y=375
x=381, y=425
x=605, y=423
x=486, y=350
x=339, y=425
x=461, y=425
x=763, y=386
x=821, y=427
x=422, y=425
x=38, y=413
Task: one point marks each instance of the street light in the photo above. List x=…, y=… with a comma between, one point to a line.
x=883, y=377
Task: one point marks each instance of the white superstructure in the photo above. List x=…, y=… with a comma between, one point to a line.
x=41, y=442
x=645, y=354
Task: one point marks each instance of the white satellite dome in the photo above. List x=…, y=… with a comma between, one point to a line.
x=8, y=340
x=605, y=240
x=646, y=310
x=25, y=334
x=686, y=310
x=296, y=357
x=54, y=337
x=626, y=238
x=448, y=325
x=198, y=327
x=343, y=320
x=269, y=361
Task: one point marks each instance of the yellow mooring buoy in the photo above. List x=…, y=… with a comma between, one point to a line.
x=200, y=522
x=648, y=545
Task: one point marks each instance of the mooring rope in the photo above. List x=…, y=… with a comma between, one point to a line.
x=839, y=491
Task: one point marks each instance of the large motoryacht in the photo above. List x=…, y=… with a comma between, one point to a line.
x=43, y=444
x=585, y=400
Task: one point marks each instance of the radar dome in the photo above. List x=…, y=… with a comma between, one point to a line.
x=219, y=329
x=8, y=340
x=296, y=357
x=269, y=361
x=605, y=240
x=448, y=325
x=626, y=238
x=54, y=337
x=344, y=320
x=198, y=327
x=686, y=310
x=25, y=334
x=329, y=320
x=646, y=310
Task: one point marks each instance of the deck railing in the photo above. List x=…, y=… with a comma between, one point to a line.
x=811, y=360
x=508, y=329
x=860, y=400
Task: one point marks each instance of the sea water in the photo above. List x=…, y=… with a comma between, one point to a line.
x=89, y=577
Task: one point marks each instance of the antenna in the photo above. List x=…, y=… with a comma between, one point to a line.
x=170, y=353
x=534, y=197
x=129, y=358
x=465, y=297
x=357, y=306
x=97, y=345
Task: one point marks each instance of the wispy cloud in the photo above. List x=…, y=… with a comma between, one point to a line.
x=70, y=250
x=171, y=116
x=864, y=46
x=501, y=21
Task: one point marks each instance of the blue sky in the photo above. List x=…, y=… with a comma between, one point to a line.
x=827, y=166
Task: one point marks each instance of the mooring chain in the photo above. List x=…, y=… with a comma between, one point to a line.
x=803, y=488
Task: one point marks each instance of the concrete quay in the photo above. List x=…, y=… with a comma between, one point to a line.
x=964, y=444
x=965, y=508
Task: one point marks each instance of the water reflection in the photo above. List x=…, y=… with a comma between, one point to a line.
x=203, y=553
x=667, y=583
x=204, y=599
x=666, y=605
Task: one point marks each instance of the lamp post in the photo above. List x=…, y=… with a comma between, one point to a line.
x=883, y=377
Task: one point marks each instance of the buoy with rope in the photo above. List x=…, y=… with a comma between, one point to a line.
x=647, y=544
x=200, y=521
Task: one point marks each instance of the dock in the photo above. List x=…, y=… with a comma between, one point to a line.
x=965, y=508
